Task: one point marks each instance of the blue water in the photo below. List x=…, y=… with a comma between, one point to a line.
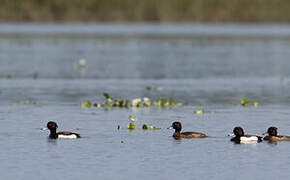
x=204, y=66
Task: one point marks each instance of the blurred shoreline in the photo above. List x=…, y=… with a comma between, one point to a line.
x=145, y=11
x=145, y=30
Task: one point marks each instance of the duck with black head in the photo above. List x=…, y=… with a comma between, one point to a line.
x=241, y=138
x=178, y=134
x=52, y=126
x=273, y=135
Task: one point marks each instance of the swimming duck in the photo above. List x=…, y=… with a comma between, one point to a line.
x=178, y=134
x=240, y=137
x=52, y=126
x=273, y=135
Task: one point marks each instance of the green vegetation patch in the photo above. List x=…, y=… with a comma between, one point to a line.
x=135, y=103
x=145, y=10
x=246, y=103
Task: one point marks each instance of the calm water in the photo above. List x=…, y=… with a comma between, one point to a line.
x=206, y=66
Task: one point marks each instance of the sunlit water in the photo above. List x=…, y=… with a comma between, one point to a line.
x=208, y=67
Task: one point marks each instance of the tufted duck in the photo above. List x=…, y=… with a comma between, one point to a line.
x=241, y=138
x=177, y=134
x=273, y=135
x=52, y=126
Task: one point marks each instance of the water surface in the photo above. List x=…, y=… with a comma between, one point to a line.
x=206, y=66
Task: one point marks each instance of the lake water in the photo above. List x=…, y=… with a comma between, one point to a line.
x=204, y=66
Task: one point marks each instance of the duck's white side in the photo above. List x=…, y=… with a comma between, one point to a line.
x=248, y=140
x=72, y=136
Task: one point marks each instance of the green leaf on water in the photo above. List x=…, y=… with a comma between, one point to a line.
x=163, y=101
x=247, y=102
x=132, y=118
x=153, y=128
x=146, y=102
x=136, y=102
x=200, y=111
x=171, y=101
x=144, y=127
x=131, y=126
x=148, y=88
x=244, y=102
x=255, y=104
x=86, y=104
x=107, y=96
x=124, y=103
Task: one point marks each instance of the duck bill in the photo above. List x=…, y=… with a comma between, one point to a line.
x=44, y=129
x=265, y=133
x=231, y=134
x=170, y=127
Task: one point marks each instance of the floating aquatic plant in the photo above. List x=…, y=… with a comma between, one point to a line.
x=132, y=118
x=97, y=105
x=246, y=102
x=9, y=76
x=145, y=127
x=108, y=98
x=255, y=104
x=155, y=88
x=112, y=103
x=35, y=75
x=136, y=103
x=87, y=104
x=80, y=64
x=131, y=126
x=80, y=67
x=148, y=88
x=147, y=102
x=199, y=111
x=153, y=128
x=166, y=103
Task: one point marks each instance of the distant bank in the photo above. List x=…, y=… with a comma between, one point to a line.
x=145, y=10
